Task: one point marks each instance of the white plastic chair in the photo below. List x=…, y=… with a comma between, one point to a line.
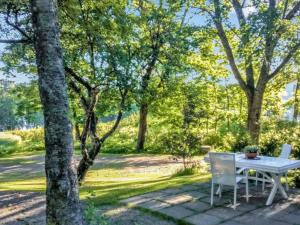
x=285, y=154
x=224, y=173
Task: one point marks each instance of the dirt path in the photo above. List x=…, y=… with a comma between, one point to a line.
x=23, y=208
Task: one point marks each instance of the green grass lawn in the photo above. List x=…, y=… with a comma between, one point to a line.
x=118, y=177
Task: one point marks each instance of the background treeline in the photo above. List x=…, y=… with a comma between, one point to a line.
x=164, y=76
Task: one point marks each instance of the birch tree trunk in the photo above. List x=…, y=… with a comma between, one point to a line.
x=297, y=100
x=62, y=197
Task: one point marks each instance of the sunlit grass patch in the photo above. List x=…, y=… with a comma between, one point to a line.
x=114, y=178
x=32, y=184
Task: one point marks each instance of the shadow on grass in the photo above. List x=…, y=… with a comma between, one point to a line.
x=103, y=193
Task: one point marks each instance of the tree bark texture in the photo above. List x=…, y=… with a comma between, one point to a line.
x=254, y=114
x=62, y=198
x=142, y=127
x=297, y=100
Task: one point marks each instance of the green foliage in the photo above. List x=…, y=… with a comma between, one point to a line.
x=8, y=143
x=28, y=104
x=92, y=216
x=195, y=168
x=21, y=141
x=8, y=120
x=241, y=141
x=251, y=149
x=183, y=144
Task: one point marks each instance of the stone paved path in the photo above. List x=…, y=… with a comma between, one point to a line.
x=191, y=205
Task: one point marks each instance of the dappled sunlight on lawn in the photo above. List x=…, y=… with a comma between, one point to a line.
x=33, y=184
x=112, y=178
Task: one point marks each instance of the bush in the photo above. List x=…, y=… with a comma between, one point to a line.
x=8, y=143
x=270, y=144
x=183, y=144
x=241, y=141
x=194, y=167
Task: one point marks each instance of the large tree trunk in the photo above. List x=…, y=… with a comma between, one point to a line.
x=62, y=197
x=297, y=100
x=142, y=127
x=254, y=114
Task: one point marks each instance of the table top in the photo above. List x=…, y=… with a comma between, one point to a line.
x=267, y=164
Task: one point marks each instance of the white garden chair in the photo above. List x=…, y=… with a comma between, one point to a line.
x=285, y=154
x=224, y=173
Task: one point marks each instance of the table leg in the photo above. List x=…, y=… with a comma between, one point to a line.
x=276, y=185
x=218, y=190
x=282, y=191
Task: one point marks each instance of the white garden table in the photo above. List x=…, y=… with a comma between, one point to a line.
x=272, y=168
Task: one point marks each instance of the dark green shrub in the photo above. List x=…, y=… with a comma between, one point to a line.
x=240, y=142
x=183, y=144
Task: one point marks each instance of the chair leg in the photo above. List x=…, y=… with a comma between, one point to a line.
x=256, y=176
x=247, y=187
x=286, y=182
x=220, y=190
x=212, y=194
x=263, y=183
x=234, y=197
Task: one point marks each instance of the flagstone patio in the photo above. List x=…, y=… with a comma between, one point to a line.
x=191, y=204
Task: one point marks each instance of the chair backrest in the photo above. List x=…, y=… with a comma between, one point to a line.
x=223, y=168
x=285, y=151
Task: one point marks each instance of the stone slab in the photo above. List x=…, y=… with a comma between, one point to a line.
x=177, y=212
x=154, y=205
x=203, y=219
x=224, y=213
x=177, y=199
x=197, y=205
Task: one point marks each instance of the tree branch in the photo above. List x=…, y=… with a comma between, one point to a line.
x=293, y=11
x=15, y=26
x=239, y=12
x=284, y=61
x=78, y=78
x=227, y=47
x=77, y=90
x=118, y=120
x=15, y=41
x=245, y=40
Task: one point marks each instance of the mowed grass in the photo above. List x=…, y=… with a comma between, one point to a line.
x=112, y=178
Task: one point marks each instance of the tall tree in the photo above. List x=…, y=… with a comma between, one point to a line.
x=163, y=43
x=98, y=62
x=62, y=196
x=259, y=40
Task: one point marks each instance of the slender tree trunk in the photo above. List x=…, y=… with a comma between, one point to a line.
x=254, y=114
x=142, y=127
x=297, y=100
x=62, y=198
x=85, y=163
x=76, y=126
x=77, y=131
